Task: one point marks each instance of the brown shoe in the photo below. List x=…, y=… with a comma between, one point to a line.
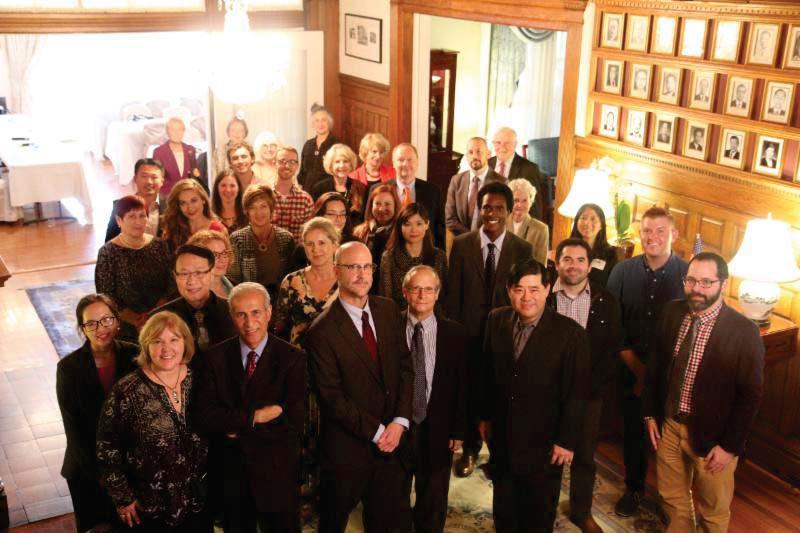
x=465, y=465
x=589, y=526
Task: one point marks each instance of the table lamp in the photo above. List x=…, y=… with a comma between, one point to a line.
x=590, y=186
x=764, y=260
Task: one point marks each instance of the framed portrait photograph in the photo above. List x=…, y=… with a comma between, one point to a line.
x=768, y=158
x=609, y=121
x=727, y=36
x=636, y=128
x=791, y=58
x=702, y=90
x=693, y=38
x=669, y=85
x=695, y=140
x=777, y=104
x=763, y=45
x=638, y=33
x=363, y=37
x=731, y=145
x=665, y=33
x=640, y=81
x=664, y=132
x=738, y=96
x=611, y=30
x=612, y=76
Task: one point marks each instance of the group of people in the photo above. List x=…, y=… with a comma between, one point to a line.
x=265, y=348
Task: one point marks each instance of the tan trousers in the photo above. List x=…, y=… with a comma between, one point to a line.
x=682, y=474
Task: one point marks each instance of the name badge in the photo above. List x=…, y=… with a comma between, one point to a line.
x=598, y=264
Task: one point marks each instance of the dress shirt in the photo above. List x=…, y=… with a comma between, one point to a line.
x=292, y=210
x=412, y=190
x=506, y=169
x=522, y=334
x=576, y=308
x=355, y=312
x=153, y=214
x=498, y=246
x=429, y=341
x=245, y=350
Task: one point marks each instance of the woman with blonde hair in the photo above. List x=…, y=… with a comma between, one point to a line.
x=188, y=211
x=339, y=162
x=372, y=151
x=220, y=246
x=266, y=149
x=151, y=461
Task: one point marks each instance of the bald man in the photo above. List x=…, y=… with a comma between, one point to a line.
x=511, y=165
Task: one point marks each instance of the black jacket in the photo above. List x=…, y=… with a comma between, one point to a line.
x=528, y=170
x=428, y=194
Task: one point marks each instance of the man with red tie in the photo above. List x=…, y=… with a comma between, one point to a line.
x=361, y=369
x=509, y=164
x=251, y=394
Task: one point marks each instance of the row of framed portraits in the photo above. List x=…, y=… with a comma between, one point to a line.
x=692, y=41
x=663, y=132
x=776, y=105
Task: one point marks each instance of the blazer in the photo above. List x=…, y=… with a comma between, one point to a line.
x=456, y=208
x=171, y=173
x=223, y=404
x=243, y=267
x=113, y=229
x=427, y=194
x=80, y=398
x=727, y=387
x=539, y=399
x=466, y=297
x=535, y=232
x=447, y=403
x=527, y=169
x=356, y=395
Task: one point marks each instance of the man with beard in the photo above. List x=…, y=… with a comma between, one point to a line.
x=703, y=389
x=461, y=210
x=596, y=311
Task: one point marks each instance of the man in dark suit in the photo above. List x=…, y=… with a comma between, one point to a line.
x=698, y=137
x=437, y=429
x=412, y=189
x=705, y=378
x=596, y=311
x=511, y=165
x=148, y=177
x=252, y=395
x=461, y=209
x=362, y=372
x=536, y=382
x=769, y=160
x=479, y=264
x=733, y=148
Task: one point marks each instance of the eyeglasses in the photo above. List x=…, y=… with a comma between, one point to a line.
x=366, y=267
x=222, y=255
x=705, y=283
x=424, y=290
x=106, y=321
x=183, y=276
x=336, y=215
x=287, y=162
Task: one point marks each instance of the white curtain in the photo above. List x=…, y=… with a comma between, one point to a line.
x=20, y=51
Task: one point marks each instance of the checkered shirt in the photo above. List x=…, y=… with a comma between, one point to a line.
x=293, y=210
x=575, y=308
x=707, y=320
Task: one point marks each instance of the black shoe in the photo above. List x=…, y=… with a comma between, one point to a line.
x=628, y=505
x=465, y=465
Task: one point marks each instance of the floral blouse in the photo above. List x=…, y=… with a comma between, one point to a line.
x=297, y=306
x=146, y=450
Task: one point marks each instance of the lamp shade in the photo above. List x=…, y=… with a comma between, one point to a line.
x=766, y=254
x=590, y=186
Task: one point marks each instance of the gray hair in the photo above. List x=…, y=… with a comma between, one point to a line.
x=523, y=185
x=421, y=268
x=506, y=129
x=246, y=288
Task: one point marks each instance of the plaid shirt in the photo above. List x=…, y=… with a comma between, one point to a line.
x=575, y=308
x=707, y=320
x=293, y=210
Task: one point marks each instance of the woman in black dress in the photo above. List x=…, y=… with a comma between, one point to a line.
x=314, y=149
x=590, y=225
x=83, y=380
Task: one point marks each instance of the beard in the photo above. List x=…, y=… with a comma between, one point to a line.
x=701, y=302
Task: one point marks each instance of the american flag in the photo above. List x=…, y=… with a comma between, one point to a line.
x=698, y=245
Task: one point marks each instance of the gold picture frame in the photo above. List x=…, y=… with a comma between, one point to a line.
x=611, y=30
x=665, y=33
x=637, y=35
x=702, y=89
x=694, y=33
x=695, y=140
x=731, y=154
x=739, y=96
x=726, y=40
x=664, y=132
x=762, y=47
x=762, y=158
x=777, y=102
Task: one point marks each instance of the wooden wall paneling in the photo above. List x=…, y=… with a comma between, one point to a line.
x=323, y=15
x=364, y=109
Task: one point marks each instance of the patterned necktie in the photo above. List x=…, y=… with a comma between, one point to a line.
x=472, y=203
x=502, y=170
x=684, y=354
x=369, y=337
x=251, y=366
x=202, y=332
x=489, y=273
x=420, y=405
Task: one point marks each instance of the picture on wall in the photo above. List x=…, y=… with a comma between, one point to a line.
x=363, y=37
x=768, y=158
x=693, y=37
x=612, y=76
x=792, y=54
x=695, y=141
x=665, y=33
x=730, y=148
x=611, y=32
x=777, y=102
x=609, y=121
x=738, y=96
x=726, y=40
x=669, y=85
x=637, y=126
x=701, y=93
x=664, y=133
x=638, y=33
x=763, y=43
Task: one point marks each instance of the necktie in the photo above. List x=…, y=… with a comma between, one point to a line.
x=684, y=353
x=489, y=273
x=369, y=337
x=406, y=197
x=502, y=170
x=251, y=366
x=420, y=405
x=202, y=332
x=472, y=202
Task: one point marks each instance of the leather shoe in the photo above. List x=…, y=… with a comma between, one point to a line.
x=465, y=465
x=628, y=504
x=589, y=526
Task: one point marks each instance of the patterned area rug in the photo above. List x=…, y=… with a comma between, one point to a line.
x=55, y=305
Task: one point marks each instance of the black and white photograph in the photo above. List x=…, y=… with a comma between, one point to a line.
x=778, y=99
x=792, y=54
x=611, y=32
x=738, y=96
x=768, y=158
x=640, y=81
x=693, y=37
x=612, y=76
x=609, y=121
x=727, y=37
x=636, y=127
x=763, y=43
x=701, y=93
x=638, y=33
x=664, y=133
x=695, y=140
x=669, y=85
x=731, y=146
x=665, y=32
x=363, y=37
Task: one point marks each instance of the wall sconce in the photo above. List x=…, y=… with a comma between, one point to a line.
x=590, y=186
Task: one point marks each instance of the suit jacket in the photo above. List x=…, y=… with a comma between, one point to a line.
x=727, y=387
x=80, y=398
x=466, y=297
x=524, y=168
x=730, y=154
x=535, y=232
x=428, y=194
x=171, y=173
x=769, y=163
x=539, y=399
x=456, y=208
x=447, y=403
x=356, y=395
x=113, y=229
x=695, y=146
x=223, y=404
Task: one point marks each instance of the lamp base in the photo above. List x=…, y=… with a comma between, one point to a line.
x=757, y=300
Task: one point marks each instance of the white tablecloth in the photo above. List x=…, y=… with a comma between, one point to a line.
x=126, y=144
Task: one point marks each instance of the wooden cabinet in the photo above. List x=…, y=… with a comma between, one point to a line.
x=442, y=160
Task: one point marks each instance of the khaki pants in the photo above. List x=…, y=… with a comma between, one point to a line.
x=682, y=474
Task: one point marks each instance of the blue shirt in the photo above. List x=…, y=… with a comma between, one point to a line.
x=245, y=350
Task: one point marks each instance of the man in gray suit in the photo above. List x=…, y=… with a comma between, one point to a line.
x=461, y=210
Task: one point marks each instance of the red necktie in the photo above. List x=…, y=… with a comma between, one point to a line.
x=503, y=168
x=369, y=337
x=251, y=365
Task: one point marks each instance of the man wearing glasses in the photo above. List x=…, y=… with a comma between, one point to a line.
x=361, y=369
x=704, y=385
x=293, y=206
